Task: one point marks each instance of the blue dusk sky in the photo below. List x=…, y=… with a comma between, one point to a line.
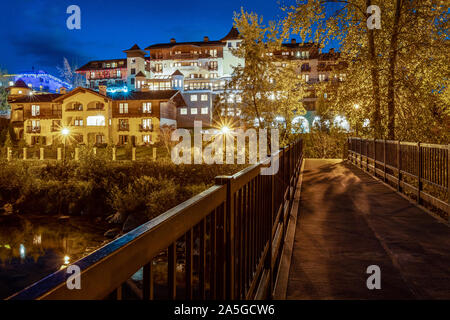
x=33, y=33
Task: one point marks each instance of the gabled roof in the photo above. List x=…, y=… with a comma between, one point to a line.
x=144, y=95
x=78, y=90
x=20, y=84
x=177, y=73
x=233, y=34
x=140, y=74
x=135, y=48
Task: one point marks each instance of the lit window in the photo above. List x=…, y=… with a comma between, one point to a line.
x=194, y=111
x=321, y=77
x=238, y=99
x=123, y=108
x=183, y=111
x=147, y=107
x=147, y=138
x=204, y=110
x=146, y=123
x=35, y=110
x=98, y=121
x=11, y=83
x=194, y=97
x=204, y=97
x=78, y=122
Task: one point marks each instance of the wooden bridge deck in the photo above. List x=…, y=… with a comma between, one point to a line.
x=348, y=221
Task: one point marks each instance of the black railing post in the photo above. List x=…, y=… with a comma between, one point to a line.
x=419, y=172
x=399, y=166
x=229, y=228
x=384, y=160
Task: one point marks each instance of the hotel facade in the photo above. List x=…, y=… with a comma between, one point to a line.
x=127, y=100
x=93, y=117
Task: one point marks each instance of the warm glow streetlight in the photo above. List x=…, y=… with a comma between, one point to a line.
x=225, y=130
x=65, y=132
x=356, y=106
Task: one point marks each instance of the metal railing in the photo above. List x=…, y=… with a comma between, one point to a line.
x=420, y=170
x=232, y=233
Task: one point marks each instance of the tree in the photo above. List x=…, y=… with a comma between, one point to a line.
x=397, y=74
x=270, y=88
x=67, y=72
x=4, y=106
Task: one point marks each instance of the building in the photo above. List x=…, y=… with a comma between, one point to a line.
x=92, y=117
x=200, y=70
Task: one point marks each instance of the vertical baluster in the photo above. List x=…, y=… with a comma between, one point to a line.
x=213, y=261
x=399, y=166
x=172, y=271
x=202, y=260
x=189, y=238
x=419, y=172
x=147, y=289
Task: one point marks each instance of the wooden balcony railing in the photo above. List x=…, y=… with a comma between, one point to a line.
x=420, y=170
x=124, y=127
x=31, y=129
x=233, y=236
x=143, y=128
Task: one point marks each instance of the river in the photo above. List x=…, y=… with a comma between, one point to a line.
x=32, y=247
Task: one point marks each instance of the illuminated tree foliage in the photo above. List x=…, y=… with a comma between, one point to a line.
x=271, y=89
x=398, y=75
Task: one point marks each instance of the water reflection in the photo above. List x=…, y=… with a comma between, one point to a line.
x=34, y=247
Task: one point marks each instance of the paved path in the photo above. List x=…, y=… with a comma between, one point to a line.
x=348, y=221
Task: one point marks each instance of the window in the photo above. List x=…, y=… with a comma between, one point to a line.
x=98, y=121
x=123, y=139
x=92, y=75
x=322, y=77
x=194, y=111
x=133, y=70
x=147, y=123
x=213, y=53
x=132, y=81
x=119, y=74
x=35, y=110
x=183, y=111
x=100, y=139
x=194, y=97
x=133, y=60
x=306, y=77
x=123, y=124
x=123, y=108
x=238, y=98
x=325, y=95
x=204, y=110
x=147, y=138
x=204, y=97
x=78, y=122
x=147, y=107
x=36, y=124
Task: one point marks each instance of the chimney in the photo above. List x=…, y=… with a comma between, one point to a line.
x=205, y=39
x=293, y=41
x=173, y=40
x=102, y=90
x=63, y=90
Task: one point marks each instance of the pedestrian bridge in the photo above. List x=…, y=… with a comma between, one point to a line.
x=307, y=232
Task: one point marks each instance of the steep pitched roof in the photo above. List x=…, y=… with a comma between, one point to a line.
x=78, y=90
x=177, y=73
x=140, y=74
x=233, y=34
x=20, y=84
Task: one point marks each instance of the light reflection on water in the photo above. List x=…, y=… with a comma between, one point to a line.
x=34, y=247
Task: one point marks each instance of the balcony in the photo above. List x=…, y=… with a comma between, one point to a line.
x=124, y=127
x=31, y=129
x=143, y=128
x=75, y=108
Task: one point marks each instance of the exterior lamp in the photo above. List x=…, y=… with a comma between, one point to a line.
x=225, y=130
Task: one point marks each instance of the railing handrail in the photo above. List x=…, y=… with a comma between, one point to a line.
x=107, y=268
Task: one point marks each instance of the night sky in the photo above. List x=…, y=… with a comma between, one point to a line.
x=33, y=33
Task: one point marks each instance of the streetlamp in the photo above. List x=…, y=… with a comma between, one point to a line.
x=65, y=133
